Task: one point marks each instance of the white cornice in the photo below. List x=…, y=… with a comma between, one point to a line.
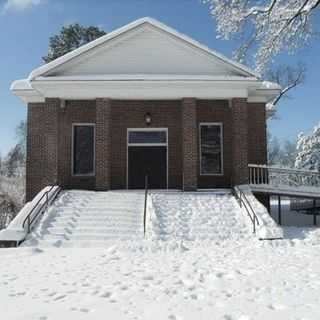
x=158, y=88
x=139, y=89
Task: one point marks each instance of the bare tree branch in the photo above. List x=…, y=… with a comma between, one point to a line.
x=289, y=78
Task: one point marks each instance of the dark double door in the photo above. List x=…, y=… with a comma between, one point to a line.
x=147, y=160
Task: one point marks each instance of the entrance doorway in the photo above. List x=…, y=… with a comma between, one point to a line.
x=147, y=155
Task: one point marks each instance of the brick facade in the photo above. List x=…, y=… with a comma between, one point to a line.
x=217, y=111
x=131, y=114
x=257, y=142
x=42, y=146
x=49, y=141
x=75, y=112
x=103, y=144
x=239, y=111
x=189, y=144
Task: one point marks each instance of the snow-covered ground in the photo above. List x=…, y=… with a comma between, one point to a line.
x=241, y=280
x=190, y=267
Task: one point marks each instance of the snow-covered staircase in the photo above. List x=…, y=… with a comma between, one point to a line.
x=88, y=218
x=199, y=216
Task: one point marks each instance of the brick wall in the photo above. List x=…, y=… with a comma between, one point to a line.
x=257, y=133
x=80, y=111
x=217, y=111
x=42, y=144
x=103, y=144
x=189, y=144
x=131, y=114
x=49, y=141
x=239, y=111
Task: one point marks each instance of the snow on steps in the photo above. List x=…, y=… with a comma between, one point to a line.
x=198, y=216
x=88, y=218
x=15, y=231
x=268, y=228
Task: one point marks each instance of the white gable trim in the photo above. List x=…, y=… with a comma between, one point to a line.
x=41, y=71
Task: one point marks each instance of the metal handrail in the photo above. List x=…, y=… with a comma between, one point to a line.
x=29, y=219
x=269, y=175
x=243, y=201
x=282, y=169
x=145, y=204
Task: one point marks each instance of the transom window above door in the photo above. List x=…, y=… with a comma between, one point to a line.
x=150, y=136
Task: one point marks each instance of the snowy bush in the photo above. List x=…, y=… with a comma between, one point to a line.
x=308, y=150
x=12, y=196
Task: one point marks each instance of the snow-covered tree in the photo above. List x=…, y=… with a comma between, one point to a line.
x=308, y=150
x=265, y=27
x=281, y=154
x=288, y=77
x=288, y=154
x=71, y=37
x=274, y=150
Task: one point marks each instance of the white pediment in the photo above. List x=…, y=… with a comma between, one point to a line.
x=142, y=60
x=144, y=47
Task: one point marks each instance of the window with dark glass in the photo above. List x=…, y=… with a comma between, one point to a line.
x=147, y=136
x=211, y=148
x=83, y=150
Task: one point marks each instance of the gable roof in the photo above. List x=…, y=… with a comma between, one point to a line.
x=94, y=45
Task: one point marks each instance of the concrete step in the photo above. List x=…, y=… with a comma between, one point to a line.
x=88, y=237
x=96, y=219
x=105, y=208
x=91, y=224
x=104, y=230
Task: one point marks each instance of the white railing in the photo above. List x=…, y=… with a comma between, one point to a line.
x=268, y=175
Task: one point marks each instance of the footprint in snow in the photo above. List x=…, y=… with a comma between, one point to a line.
x=174, y=317
x=276, y=306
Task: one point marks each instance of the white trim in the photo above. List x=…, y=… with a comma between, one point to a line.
x=219, y=124
x=139, y=77
x=100, y=41
x=142, y=89
x=148, y=145
x=77, y=124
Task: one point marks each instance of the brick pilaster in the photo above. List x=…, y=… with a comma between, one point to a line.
x=240, y=148
x=189, y=144
x=42, y=146
x=103, y=144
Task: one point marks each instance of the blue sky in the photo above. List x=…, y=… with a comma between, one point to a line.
x=27, y=24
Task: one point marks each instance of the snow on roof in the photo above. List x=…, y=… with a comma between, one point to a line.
x=71, y=55
x=22, y=84
x=270, y=85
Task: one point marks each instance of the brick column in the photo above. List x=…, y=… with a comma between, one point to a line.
x=189, y=144
x=103, y=144
x=240, y=141
x=42, y=146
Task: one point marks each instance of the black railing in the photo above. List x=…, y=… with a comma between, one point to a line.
x=36, y=212
x=145, y=204
x=244, y=202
